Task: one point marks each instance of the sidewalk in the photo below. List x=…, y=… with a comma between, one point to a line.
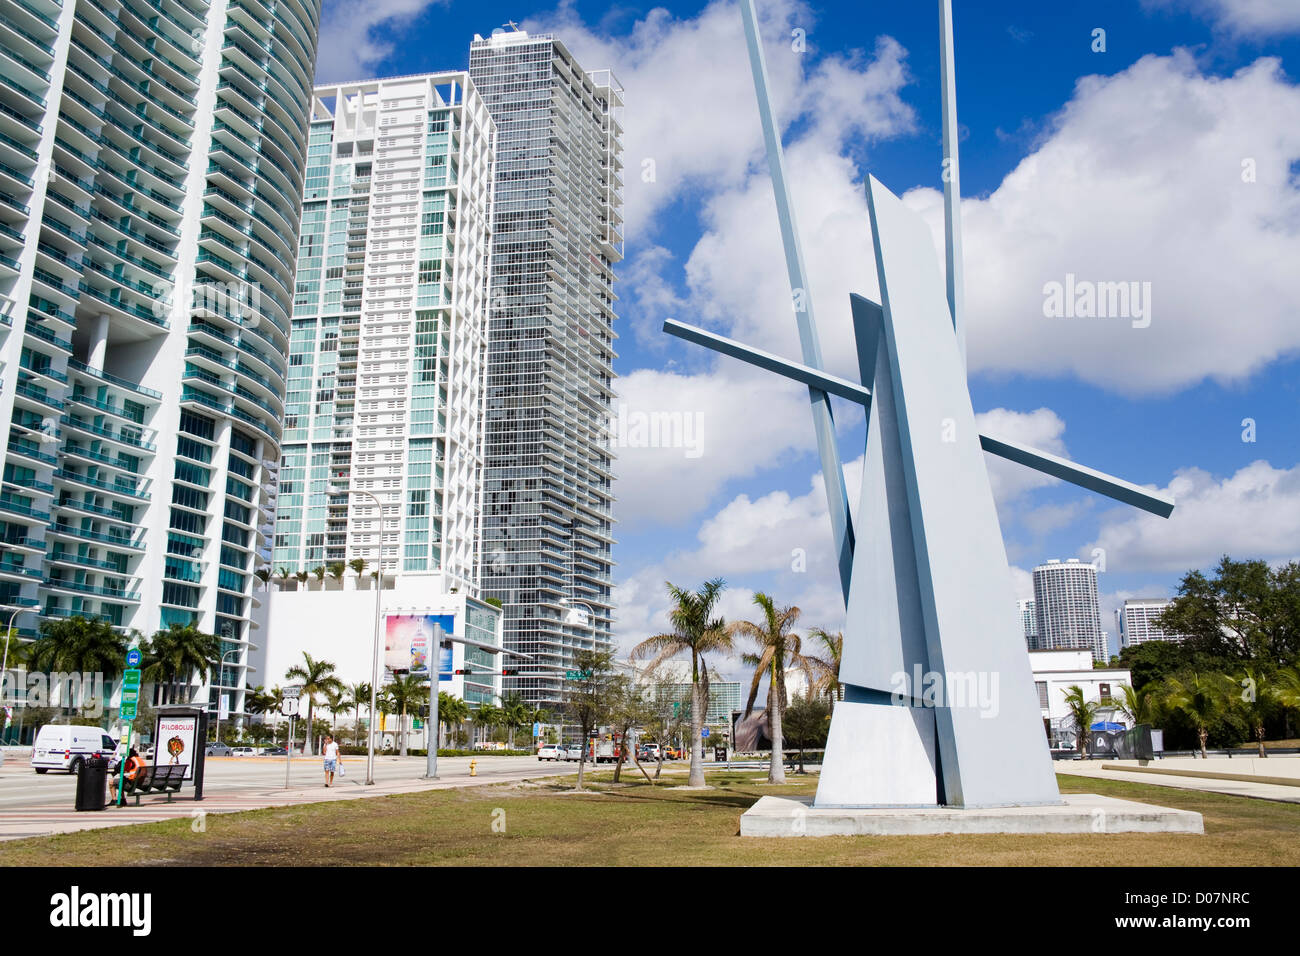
x=48, y=819
x=1281, y=767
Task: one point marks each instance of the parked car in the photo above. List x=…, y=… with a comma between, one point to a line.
x=242, y=752
x=573, y=752
x=672, y=753
x=218, y=749
x=551, y=752
x=648, y=752
x=66, y=747
x=274, y=752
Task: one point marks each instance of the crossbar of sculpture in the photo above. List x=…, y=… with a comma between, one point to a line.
x=940, y=706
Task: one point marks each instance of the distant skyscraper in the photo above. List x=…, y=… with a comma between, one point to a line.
x=151, y=168
x=1065, y=605
x=1029, y=621
x=548, y=501
x=385, y=389
x=1137, y=618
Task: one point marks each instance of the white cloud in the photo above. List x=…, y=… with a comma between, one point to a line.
x=690, y=96
x=357, y=35
x=1141, y=179
x=1248, y=18
x=1253, y=514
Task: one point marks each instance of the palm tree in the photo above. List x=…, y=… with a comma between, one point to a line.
x=1287, y=686
x=76, y=645
x=452, y=711
x=301, y=576
x=1139, y=708
x=488, y=716
x=1200, y=698
x=180, y=654
x=1083, y=711
x=695, y=630
x=1260, y=698
x=359, y=695
x=778, y=647
x=515, y=714
x=317, y=677
x=263, y=575
x=336, y=570
x=826, y=665
x=319, y=571
x=358, y=565
x=405, y=693
x=336, y=698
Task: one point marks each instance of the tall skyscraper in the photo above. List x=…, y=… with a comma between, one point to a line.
x=151, y=168
x=1065, y=604
x=1136, y=620
x=548, y=501
x=385, y=390
x=1028, y=621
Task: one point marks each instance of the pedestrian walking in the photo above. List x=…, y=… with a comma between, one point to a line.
x=331, y=754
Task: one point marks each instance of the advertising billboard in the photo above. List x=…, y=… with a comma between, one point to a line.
x=175, y=741
x=412, y=640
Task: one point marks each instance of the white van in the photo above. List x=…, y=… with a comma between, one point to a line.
x=64, y=747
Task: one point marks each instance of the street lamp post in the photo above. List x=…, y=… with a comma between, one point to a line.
x=374, y=674
x=220, y=668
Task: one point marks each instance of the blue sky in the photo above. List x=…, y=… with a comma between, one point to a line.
x=1122, y=165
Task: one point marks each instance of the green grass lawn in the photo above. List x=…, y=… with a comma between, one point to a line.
x=636, y=824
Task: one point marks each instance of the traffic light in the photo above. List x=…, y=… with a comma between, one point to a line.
x=463, y=670
x=509, y=671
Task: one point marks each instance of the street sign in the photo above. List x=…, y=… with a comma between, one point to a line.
x=293, y=692
x=577, y=675
x=289, y=706
x=704, y=732
x=127, y=711
x=131, y=677
x=133, y=657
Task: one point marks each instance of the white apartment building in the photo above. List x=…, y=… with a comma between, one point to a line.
x=385, y=390
x=1066, y=609
x=1136, y=621
x=151, y=171
x=386, y=376
x=1028, y=621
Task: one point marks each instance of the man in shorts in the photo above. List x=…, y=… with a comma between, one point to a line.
x=331, y=754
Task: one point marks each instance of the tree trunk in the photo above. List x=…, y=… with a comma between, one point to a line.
x=307, y=748
x=1259, y=735
x=659, y=767
x=696, y=778
x=401, y=729
x=1205, y=736
x=776, y=770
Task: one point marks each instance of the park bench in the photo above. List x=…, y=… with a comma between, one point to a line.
x=166, y=780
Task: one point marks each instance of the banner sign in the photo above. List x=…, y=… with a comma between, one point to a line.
x=411, y=640
x=174, y=742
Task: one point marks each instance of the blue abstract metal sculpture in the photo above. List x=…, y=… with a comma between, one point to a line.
x=940, y=707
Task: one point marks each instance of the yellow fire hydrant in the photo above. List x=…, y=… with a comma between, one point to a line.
x=473, y=768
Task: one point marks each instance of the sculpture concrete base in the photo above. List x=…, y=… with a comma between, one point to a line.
x=1079, y=813
x=879, y=755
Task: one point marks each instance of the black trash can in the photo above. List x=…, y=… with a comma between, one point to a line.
x=92, y=784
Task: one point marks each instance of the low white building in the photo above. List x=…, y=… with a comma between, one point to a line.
x=335, y=621
x=1057, y=671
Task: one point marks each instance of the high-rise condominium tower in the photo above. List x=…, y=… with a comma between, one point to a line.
x=389, y=331
x=1065, y=604
x=548, y=502
x=1029, y=622
x=151, y=169
x=1137, y=621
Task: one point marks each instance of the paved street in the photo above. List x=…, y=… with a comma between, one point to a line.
x=38, y=805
